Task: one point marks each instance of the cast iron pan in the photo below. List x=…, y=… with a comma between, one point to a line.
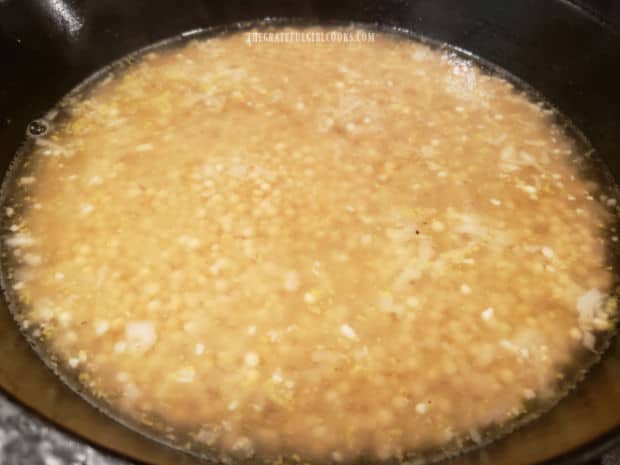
x=569, y=52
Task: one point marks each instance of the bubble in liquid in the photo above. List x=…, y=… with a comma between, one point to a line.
x=37, y=128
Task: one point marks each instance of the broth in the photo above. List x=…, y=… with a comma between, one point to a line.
x=328, y=249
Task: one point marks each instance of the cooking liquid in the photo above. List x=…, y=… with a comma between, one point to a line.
x=326, y=249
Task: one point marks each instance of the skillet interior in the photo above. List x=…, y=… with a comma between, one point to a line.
x=568, y=54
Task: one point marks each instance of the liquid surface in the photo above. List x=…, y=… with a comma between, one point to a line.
x=327, y=249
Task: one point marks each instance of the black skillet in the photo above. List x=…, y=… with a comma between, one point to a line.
x=569, y=51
